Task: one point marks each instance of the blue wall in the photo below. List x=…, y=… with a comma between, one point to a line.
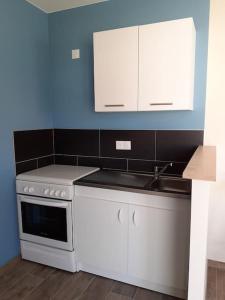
x=24, y=100
x=72, y=81
x=25, y=79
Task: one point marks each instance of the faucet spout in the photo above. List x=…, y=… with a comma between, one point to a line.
x=158, y=173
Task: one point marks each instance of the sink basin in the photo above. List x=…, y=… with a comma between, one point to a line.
x=137, y=181
x=170, y=184
x=115, y=178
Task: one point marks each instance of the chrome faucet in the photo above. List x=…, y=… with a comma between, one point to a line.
x=158, y=171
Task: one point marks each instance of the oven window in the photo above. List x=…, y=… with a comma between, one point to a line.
x=44, y=221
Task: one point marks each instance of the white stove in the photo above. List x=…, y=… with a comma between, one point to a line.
x=46, y=214
x=54, y=181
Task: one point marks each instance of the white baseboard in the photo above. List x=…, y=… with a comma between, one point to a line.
x=216, y=250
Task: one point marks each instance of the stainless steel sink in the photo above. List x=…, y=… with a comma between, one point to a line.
x=171, y=184
x=142, y=182
x=115, y=178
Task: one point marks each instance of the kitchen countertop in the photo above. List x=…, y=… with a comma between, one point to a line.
x=202, y=165
x=132, y=182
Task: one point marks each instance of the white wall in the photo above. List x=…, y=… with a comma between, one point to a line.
x=215, y=126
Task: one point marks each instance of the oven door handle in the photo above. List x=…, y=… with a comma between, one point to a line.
x=46, y=203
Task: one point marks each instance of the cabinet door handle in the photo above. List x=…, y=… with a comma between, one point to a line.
x=114, y=105
x=134, y=219
x=162, y=103
x=119, y=216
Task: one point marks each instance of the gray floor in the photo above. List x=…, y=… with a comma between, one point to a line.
x=216, y=281
x=30, y=281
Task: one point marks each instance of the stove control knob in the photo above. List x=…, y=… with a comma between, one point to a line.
x=26, y=189
x=46, y=191
x=63, y=194
x=31, y=190
x=57, y=193
x=52, y=192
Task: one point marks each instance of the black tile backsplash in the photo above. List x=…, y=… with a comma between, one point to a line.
x=26, y=166
x=142, y=143
x=114, y=163
x=45, y=161
x=65, y=160
x=33, y=149
x=89, y=161
x=77, y=142
x=177, y=145
x=97, y=148
x=32, y=144
x=149, y=166
x=104, y=163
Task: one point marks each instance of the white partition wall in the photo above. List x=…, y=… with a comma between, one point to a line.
x=215, y=126
x=198, y=240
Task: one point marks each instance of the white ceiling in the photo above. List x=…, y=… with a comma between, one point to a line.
x=50, y=6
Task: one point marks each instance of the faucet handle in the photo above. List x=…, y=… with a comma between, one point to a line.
x=156, y=169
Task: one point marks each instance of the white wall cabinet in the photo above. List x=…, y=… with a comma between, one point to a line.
x=135, y=238
x=116, y=69
x=145, y=68
x=166, y=65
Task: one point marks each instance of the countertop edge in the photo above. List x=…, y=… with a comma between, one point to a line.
x=133, y=190
x=202, y=165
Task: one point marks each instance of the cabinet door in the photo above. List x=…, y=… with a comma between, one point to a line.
x=116, y=70
x=166, y=70
x=101, y=234
x=159, y=246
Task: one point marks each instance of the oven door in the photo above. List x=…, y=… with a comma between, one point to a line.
x=45, y=221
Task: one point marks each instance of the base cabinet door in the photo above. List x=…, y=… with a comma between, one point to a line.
x=159, y=246
x=102, y=234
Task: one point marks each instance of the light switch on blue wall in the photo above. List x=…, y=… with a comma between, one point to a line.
x=76, y=54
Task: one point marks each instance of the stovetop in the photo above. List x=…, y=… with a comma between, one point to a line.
x=57, y=174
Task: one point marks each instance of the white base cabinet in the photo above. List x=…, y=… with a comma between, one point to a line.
x=135, y=238
x=158, y=246
x=102, y=233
